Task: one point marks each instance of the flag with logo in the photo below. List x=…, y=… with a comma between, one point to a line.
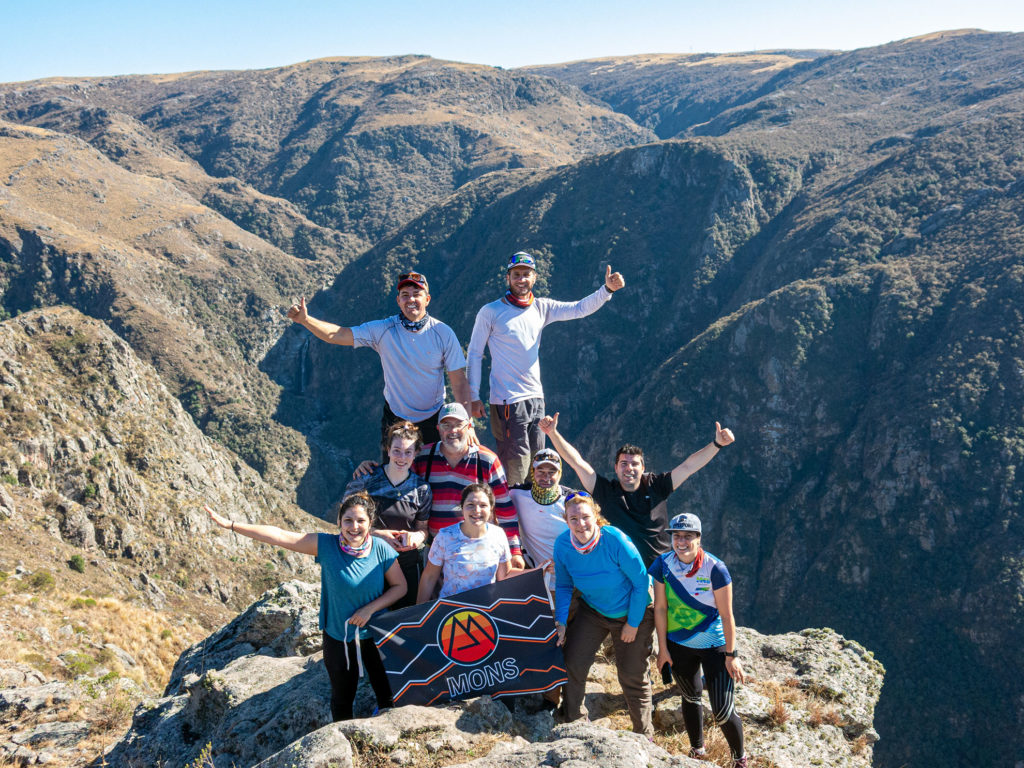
x=499, y=639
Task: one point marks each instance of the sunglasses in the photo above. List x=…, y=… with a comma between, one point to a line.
x=515, y=260
x=414, y=276
x=577, y=494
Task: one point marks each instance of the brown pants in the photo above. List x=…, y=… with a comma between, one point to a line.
x=583, y=638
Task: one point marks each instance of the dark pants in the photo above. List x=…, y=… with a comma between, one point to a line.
x=428, y=429
x=583, y=638
x=411, y=564
x=343, y=669
x=516, y=427
x=686, y=668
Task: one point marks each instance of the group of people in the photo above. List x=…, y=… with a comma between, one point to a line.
x=616, y=564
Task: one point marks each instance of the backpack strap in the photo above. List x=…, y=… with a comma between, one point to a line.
x=430, y=463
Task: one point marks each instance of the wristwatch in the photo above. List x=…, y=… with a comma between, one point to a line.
x=734, y=654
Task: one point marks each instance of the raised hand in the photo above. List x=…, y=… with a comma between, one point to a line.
x=297, y=312
x=613, y=281
x=723, y=436
x=548, y=424
x=223, y=522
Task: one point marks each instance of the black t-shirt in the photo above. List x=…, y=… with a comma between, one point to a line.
x=642, y=515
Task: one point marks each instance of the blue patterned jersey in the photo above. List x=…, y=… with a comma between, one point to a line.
x=693, y=618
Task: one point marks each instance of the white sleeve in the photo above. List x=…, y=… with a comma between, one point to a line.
x=574, y=310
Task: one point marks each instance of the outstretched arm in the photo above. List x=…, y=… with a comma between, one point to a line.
x=549, y=426
x=588, y=305
x=697, y=460
x=329, y=332
x=269, y=534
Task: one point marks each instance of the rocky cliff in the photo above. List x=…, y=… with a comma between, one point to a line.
x=823, y=253
x=108, y=565
x=256, y=693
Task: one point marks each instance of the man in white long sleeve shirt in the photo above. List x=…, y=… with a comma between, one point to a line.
x=511, y=328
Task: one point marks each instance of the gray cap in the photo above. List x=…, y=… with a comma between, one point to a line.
x=452, y=411
x=684, y=522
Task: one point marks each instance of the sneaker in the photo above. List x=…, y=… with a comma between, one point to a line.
x=741, y=763
x=698, y=753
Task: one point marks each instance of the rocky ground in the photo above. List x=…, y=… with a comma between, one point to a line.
x=255, y=693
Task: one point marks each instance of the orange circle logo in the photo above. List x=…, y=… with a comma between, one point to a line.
x=467, y=636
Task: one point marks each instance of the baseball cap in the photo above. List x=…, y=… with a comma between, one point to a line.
x=521, y=259
x=547, y=456
x=684, y=522
x=412, y=278
x=452, y=411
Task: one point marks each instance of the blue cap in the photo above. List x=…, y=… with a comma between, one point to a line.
x=521, y=259
x=684, y=522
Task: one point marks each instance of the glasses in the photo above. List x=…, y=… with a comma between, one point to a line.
x=521, y=258
x=577, y=495
x=416, y=277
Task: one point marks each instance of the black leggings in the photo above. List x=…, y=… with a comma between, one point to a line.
x=343, y=669
x=686, y=668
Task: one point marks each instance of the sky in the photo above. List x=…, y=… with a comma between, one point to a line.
x=45, y=38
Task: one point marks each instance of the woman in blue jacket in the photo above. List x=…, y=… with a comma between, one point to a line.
x=603, y=564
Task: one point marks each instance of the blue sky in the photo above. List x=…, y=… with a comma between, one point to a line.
x=108, y=37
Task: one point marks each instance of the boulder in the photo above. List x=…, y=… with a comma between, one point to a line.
x=284, y=621
x=326, y=747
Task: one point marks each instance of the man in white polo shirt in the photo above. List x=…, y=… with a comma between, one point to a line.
x=511, y=328
x=415, y=350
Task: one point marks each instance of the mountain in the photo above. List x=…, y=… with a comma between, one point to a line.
x=821, y=251
x=842, y=287
x=671, y=93
x=109, y=567
x=359, y=145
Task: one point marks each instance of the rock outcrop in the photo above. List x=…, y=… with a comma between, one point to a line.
x=256, y=693
x=108, y=566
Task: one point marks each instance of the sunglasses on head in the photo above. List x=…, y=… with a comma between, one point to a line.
x=577, y=494
x=415, y=276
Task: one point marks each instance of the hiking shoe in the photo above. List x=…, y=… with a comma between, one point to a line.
x=698, y=753
x=741, y=763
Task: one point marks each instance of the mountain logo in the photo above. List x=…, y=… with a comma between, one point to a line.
x=467, y=636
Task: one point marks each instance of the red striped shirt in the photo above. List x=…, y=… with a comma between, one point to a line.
x=447, y=482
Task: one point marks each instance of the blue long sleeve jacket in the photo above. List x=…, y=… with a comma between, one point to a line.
x=611, y=578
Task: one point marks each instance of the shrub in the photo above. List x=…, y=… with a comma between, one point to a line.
x=40, y=581
x=114, y=712
x=77, y=563
x=90, y=491
x=166, y=634
x=79, y=664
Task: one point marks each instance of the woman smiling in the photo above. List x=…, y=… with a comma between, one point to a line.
x=359, y=576
x=696, y=630
x=606, y=568
x=468, y=555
